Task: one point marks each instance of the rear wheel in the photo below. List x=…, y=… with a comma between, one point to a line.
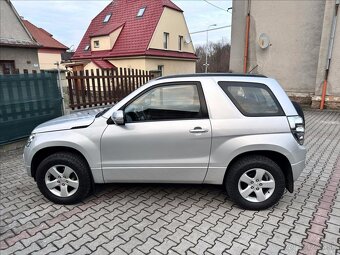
x=64, y=178
x=255, y=182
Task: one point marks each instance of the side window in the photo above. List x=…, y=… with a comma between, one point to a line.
x=169, y=102
x=252, y=99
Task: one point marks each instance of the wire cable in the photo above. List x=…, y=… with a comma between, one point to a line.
x=216, y=6
x=202, y=31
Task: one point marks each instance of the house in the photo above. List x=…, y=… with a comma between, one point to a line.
x=290, y=41
x=66, y=56
x=141, y=34
x=18, y=49
x=51, y=49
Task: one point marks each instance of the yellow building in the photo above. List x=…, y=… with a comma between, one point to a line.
x=141, y=34
x=50, y=51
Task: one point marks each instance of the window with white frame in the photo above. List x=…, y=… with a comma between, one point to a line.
x=165, y=40
x=160, y=69
x=96, y=44
x=87, y=47
x=180, y=42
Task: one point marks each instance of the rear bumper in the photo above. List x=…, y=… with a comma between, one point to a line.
x=297, y=169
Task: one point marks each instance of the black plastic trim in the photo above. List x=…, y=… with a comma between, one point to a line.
x=212, y=75
x=80, y=127
x=110, y=121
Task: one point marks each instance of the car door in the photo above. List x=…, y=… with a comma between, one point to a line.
x=166, y=137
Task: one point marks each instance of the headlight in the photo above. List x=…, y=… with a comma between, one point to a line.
x=30, y=139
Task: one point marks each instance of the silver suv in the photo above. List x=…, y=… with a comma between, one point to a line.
x=240, y=131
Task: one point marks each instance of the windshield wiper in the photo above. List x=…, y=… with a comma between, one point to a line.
x=102, y=112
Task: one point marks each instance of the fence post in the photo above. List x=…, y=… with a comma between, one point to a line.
x=99, y=87
x=88, y=90
x=61, y=88
x=70, y=90
x=82, y=89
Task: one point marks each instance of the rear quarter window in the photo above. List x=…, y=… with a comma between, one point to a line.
x=252, y=99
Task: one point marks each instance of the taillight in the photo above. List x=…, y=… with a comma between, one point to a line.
x=297, y=126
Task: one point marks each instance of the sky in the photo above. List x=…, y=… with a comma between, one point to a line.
x=67, y=20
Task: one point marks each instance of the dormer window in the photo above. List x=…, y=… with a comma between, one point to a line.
x=141, y=12
x=107, y=18
x=87, y=47
x=96, y=44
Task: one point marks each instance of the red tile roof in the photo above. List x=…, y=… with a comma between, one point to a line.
x=136, y=35
x=103, y=64
x=106, y=30
x=43, y=37
x=170, y=54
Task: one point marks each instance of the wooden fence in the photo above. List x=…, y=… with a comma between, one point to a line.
x=102, y=87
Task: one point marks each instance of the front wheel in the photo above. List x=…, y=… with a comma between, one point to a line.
x=255, y=182
x=64, y=178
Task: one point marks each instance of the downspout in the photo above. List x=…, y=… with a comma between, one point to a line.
x=245, y=60
x=330, y=51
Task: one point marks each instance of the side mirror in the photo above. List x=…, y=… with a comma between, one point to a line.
x=118, y=117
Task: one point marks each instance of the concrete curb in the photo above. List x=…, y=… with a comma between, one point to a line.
x=12, y=148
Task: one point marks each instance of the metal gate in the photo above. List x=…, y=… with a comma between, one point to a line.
x=27, y=100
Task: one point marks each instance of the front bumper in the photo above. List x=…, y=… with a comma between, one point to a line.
x=26, y=162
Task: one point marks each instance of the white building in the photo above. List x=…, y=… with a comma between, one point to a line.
x=290, y=41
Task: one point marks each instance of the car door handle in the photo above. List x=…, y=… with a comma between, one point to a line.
x=198, y=130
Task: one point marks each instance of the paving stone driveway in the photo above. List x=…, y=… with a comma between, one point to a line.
x=180, y=219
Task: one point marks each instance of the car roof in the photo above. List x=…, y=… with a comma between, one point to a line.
x=212, y=75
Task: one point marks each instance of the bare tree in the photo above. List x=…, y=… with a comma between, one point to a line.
x=218, y=57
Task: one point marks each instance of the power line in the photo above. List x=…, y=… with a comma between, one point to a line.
x=202, y=31
x=216, y=6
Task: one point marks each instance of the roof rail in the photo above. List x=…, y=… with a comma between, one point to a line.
x=211, y=75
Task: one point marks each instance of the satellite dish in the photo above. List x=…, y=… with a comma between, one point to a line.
x=264, y=41
x=187, y=39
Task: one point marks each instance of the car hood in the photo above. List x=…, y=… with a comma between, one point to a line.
x=66, y=122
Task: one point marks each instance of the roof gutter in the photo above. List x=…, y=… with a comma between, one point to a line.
x=14, y=45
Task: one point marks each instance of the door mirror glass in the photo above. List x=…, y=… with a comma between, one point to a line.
x=118, y=117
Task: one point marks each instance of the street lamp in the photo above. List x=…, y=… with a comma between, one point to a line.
x=207, y=46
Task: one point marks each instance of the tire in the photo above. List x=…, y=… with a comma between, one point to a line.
x=299, y=110
x=78, y=180
x=248, y=167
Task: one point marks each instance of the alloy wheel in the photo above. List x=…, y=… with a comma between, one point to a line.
x=62, y=181
x=256, y=185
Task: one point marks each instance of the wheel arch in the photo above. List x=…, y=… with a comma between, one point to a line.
x=40, y=155
x=277, y=157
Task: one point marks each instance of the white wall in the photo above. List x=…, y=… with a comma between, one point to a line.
x=294, y=28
